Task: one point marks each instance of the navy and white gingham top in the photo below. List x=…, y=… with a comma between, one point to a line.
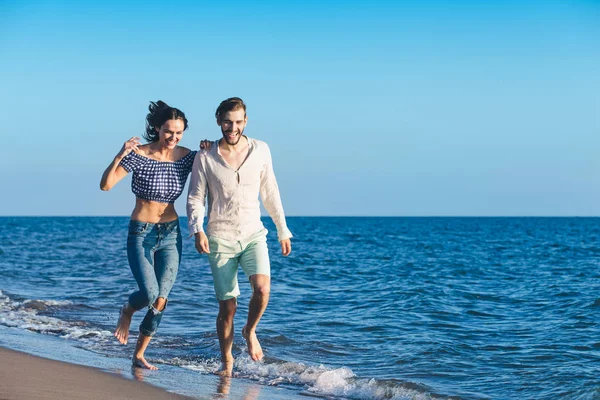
x=160, y=181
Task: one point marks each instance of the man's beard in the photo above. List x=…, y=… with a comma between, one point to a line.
x=236, y=139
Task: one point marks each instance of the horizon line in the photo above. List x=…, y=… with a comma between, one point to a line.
x=330, y=216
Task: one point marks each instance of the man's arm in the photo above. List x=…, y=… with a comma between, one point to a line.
x=196, y=204
x=271, y=199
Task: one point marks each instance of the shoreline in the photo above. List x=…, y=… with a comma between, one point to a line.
x=37, y=366
x=25, y=376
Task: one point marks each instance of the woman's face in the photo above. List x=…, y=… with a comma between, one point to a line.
x=170, y=133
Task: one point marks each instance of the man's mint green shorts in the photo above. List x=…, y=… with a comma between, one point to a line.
x=225, y=255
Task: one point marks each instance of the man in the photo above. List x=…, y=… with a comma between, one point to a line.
x=231, y=174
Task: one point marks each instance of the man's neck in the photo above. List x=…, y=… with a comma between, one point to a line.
x=240, y=146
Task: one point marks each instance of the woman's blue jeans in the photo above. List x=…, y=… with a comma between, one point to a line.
x=154, y=254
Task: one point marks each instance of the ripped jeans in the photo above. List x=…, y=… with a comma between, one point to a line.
x=154, y=254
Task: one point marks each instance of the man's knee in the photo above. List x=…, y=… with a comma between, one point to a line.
x=227, y=308
x=261, y=285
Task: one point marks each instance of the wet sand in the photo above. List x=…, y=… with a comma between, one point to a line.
x=27, y=377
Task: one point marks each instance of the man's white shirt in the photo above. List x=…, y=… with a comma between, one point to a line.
x=233, y=204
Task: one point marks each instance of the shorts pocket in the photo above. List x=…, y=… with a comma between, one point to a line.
x=217, y=245
x=212, y=245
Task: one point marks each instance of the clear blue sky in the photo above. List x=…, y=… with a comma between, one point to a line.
x=370, y=108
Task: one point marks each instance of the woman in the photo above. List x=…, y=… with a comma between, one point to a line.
x=160, y=170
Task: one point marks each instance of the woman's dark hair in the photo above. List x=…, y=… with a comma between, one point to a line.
x=160, y=112
x=230, y=104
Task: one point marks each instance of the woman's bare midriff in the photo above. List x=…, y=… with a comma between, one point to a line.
x=153, y=212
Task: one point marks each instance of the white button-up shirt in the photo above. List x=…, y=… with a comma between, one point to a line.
x=233, y=205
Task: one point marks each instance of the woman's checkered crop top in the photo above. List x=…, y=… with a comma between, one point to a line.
x=160, y=181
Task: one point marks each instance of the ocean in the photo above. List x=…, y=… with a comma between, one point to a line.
x=363, y=308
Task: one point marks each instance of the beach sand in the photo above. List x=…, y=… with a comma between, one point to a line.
x=27, y=377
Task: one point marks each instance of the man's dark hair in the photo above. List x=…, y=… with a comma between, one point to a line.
x=230, y=104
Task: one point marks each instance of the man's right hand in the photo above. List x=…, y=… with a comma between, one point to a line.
x=202, y=243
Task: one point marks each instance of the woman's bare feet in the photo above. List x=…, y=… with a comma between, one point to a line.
x=226, y=366
x=254, y=348
x=140, y=362
x=122, y=331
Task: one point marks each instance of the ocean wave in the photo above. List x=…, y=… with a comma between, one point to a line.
x=26, y=315
x=325, y=381
x=318, y=380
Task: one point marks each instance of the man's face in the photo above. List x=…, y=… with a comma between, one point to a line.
x=232, y=125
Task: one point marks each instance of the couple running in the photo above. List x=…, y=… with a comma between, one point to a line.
x=231, y=173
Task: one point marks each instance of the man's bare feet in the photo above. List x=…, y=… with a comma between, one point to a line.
x=140, y=362
x=122, y=331
x=226, y=366
x=254, y=348
x=224, y=385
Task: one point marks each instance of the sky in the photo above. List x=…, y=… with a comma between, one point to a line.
x=379, y=108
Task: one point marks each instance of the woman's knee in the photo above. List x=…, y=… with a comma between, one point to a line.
x=160, y=303
x=150, y=295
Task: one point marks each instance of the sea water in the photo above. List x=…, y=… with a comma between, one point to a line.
x=363, y=308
